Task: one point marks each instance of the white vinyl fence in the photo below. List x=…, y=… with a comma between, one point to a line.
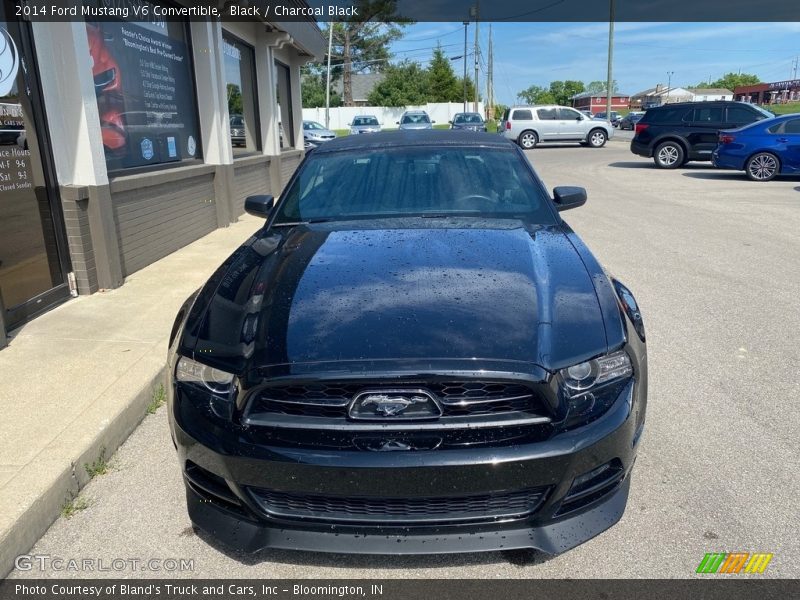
x=341, y=117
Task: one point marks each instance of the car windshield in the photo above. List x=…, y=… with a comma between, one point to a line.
x=415, y=118
x=312, y=125
x=472, y=119
x=362, y=121
x=237, y=122
x=414, y=181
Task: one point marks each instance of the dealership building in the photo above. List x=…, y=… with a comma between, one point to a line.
x=777, y=92
x=121, y=142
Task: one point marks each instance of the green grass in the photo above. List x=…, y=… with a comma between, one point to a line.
x=98, y=467
x=784, y=109
x=74, y=506
x=159, y=397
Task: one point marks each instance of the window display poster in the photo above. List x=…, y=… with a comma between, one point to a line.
x=145, y=92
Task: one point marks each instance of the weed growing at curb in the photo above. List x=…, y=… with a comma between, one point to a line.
x=98, y=467
x=74, y=506
x=159, y=397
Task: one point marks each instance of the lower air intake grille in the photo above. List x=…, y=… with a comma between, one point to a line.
x=337, y=509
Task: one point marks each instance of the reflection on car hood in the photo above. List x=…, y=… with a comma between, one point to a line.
x=494, y=290
x=416, y=126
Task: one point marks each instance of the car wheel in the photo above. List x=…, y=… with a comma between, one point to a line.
x=668, y=155
x=763, y=166
x=528, y=139
x=597, y=138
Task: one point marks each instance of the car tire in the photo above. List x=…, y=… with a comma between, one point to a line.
x=528, y=140
x=763, y=166
x=597, y=138
x=669, y=155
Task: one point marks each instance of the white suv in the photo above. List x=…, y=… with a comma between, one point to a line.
x=529, y=125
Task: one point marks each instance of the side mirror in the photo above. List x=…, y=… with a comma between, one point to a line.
x=579, y=118
x=397, y=122
x=259, y=206
x=448, y=122
x=432, y=122
x=567, y=196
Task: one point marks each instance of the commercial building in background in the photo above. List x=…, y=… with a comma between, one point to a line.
x=777, y=92
x=596, y=101
x=121, y=142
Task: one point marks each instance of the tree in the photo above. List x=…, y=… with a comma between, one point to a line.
x=234, y=99
x=470, y=90
x=730, y=81
x=443, y=85
x=362, y=43
x=313, y=91
x=537, y=95
x=563, y=91
x=599, y=87
x=403, y=84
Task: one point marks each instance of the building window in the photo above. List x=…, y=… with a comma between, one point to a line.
x=283, y=95
x=145, y=91
x=240, y=80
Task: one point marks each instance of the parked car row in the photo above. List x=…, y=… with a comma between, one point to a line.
x=315, y=133
x=731, y=135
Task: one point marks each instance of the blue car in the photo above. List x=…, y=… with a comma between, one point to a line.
x=763, y=150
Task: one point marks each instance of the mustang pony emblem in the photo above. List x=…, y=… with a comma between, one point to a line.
x=388, y=406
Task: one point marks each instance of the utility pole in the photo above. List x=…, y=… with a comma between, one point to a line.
x=466, y=24
x=328, y=78
x=794, y=66
x=669, y=83
x=490, y=79
x=610, y=75
x=477, y=54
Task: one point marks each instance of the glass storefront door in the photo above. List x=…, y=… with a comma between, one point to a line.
x=33, y=259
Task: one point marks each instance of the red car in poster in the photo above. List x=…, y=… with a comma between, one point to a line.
x=108, y=88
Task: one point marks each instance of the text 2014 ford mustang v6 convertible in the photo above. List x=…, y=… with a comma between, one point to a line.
x=415, y=354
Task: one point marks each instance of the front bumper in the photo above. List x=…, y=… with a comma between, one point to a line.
x=557, y=524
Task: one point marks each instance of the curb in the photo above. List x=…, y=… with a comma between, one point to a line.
x=37, y=498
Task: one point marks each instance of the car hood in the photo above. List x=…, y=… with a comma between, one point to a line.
x=416, y=126
x=495, y=290
x=366, y=128
x=319, y=133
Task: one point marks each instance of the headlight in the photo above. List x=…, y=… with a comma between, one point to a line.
x=214, y=389
x=583, y=376
x=590, y=388
x=217, y=381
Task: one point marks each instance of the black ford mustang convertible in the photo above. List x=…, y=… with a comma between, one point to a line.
x=415, y=354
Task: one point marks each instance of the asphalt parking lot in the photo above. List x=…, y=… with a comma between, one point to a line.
x=714, y=261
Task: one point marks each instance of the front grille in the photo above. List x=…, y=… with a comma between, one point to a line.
x=458, y=398
x=337, y=509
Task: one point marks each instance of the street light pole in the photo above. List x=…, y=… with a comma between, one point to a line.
x=466, y=24
x=669, y=83
x=609, y=74
x=328, y=78
x=477, y=57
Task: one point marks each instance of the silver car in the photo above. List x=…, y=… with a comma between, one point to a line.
x=415, y=119
x=364, y=124
x=529, y=125
x=315, y=134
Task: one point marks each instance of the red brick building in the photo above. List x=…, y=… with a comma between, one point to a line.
x=596, y=101
x=777, y=92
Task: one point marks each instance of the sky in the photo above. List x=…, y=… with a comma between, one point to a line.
x=536, y=53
